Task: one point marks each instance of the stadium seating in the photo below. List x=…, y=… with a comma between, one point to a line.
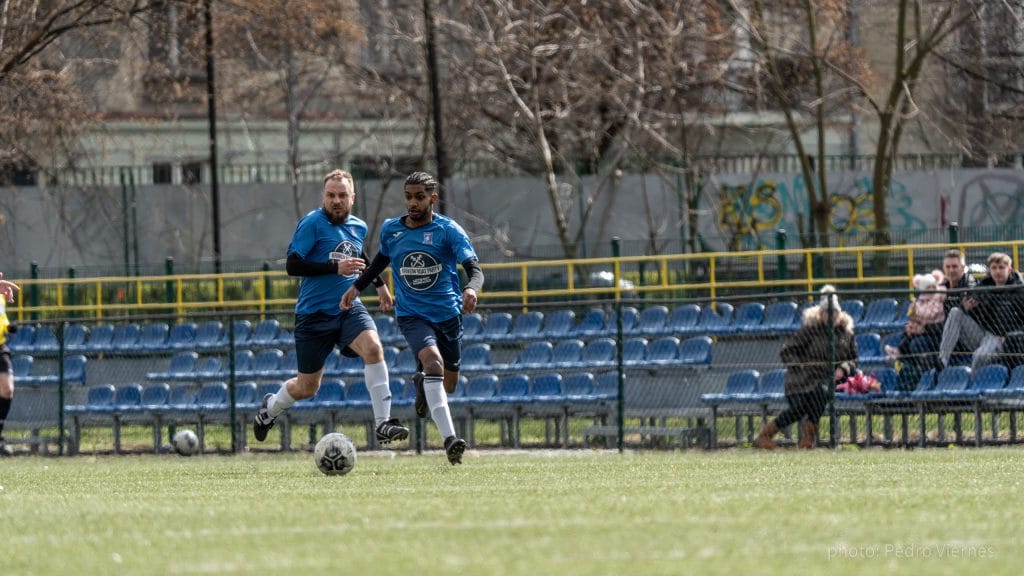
x=663, y=351
x=476, y=357
x=387, y=329
x=772, y=386
x=21, y=341
x=630, y=317
x=566, y=354
x=45, y=341
x=527, y=326
x=182, y=336
x=592, y=325
x=716, y=320
x=182, y=367
x=779, y=318
x=472, y=327
x=125, y=339
x=209, y=335
x=634, y=351
x=606, y=386
x=598, y=353
x=853, y=307
x=695, y=351
x=536, y=355
x=652, y=321
x=497, y=327
x=869, y=349
x=748, y=318
x=264, y=334
x=879, y=315
x=100, y=339
x=685, y=320
x=21, y=366
x=75, y=337
x=152, y=338
x=578, y=387
x=558, y=325
x=265, y=365
x=740, y=386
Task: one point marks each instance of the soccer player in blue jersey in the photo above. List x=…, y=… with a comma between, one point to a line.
x=327, y=252
x=424, y=249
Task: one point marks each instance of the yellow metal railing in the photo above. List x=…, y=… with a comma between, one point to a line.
x=707, y=274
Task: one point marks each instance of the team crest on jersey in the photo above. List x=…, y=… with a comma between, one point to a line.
x=420, y=270
x=344, y=249
x=428, y=237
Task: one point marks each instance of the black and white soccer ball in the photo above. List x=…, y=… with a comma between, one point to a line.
x=185, y=442
x=335, y=454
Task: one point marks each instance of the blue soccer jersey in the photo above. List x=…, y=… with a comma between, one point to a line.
x=424, y=261
x=317, y=240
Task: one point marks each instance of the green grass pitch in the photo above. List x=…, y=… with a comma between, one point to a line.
x=530, y=513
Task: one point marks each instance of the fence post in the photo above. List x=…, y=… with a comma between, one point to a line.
x=780, y=244
x=169, y=285
x=954, y=232
x=71, y=289
x=33, y=294
x=620, y=401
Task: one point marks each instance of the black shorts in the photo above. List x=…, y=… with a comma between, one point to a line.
x=5, y=360
x=446, y=335
x=317, y=334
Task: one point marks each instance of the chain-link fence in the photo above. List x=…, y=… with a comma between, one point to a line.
x=673, y=373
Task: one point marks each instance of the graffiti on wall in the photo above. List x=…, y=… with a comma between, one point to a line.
x=748, y=212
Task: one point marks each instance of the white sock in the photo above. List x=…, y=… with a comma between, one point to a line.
x=437, y=399
x=377, y=383
x=280, y=402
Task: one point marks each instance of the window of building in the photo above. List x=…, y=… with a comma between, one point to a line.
x=191, y=173
x=163, y=173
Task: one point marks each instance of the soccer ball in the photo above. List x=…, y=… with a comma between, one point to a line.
x=185, y=442
x=335, y=454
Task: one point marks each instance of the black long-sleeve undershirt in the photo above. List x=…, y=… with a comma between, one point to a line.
x=295, y=265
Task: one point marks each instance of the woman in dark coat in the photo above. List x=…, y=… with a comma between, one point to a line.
x=807, y=356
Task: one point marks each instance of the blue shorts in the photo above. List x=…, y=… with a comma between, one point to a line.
x=446, y=335
x=318, y=333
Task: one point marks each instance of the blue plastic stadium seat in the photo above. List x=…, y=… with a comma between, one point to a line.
x=330, y=395
x=1013, y=388
x=405, y=363
x=748, y=317
x=950, y=383
x=209, y=368
x=630, y=317
x=245, y=396
x=879, y=315
x=598, y=353
x=387, y=329
x=869, y=349
x=265, y=364
x=472, y=327
x=740, y=385
x=209, y=335
x=536, y=355
x=634, y=350
x=75, y=337
x=606, y=386
x=243, y=363
x=357, y=395
x=182, y=367
x=476, y=357
x=333, y=361
x=695, y=351
x=652, y=321
x=716, y=319
x=546, y=388
x=242, y=329
x=126, y=339
x=212, y=396
x=479, y=389
x=558, y=325
x=289, y=365
x=74, y=369
x=21, y=341
x=265, y=333
x=152, y=338
x=526, y=327
x=772, y=386
x=154, y=397
x=513, y=388
x=664, y=351
x=985, y=379
x=593, y=324
x=21, y=366
x=578, y=386
x=685, y=320
x=97, y=398
x=127, y=398
x=351, y=366
x=182, y=336
x=45, y=341
x=566, y=354
x=853, y=307
x=779, y=318
x=497, y=327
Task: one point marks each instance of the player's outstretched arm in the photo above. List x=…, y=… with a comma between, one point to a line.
x=8, y=288
x=474, y=284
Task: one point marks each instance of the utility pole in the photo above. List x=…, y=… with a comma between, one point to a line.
x=211, y=113
x=435, y=98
